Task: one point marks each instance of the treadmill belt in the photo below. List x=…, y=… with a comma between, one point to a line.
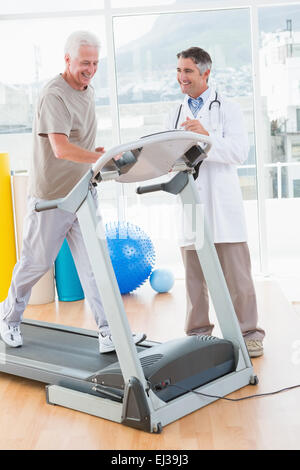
x=62, y=348
x=49, y=352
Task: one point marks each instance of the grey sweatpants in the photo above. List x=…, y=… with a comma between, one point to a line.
x=236, y=265
x=43, y=235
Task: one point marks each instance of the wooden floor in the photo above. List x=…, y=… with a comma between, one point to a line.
x=273, y=422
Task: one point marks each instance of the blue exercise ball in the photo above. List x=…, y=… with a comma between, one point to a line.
x=162, y=280
x=132, y=254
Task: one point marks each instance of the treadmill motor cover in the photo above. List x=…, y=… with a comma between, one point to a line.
x=177, y=366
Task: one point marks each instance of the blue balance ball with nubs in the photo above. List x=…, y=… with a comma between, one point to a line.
x=132, y=254
x=162, y=280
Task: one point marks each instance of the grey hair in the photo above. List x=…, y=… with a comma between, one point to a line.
x=78, y=39
x=199, y=56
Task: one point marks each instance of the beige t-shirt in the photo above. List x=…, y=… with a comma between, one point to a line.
x=61, y=110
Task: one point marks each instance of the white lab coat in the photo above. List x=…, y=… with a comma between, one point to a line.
x=218, y=182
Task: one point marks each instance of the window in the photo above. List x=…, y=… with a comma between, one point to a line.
x=148, y=90
x=296, y=151
x=278, y=26
x=296, y=184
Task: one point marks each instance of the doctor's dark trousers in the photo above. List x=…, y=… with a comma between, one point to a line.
x=236, y=265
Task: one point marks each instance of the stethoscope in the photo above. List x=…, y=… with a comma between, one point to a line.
x=213, y=105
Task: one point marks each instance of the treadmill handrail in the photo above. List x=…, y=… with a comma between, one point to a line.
x=148, y=140
x=81, y=188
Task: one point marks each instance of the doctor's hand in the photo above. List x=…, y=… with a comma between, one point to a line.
x=193, y=125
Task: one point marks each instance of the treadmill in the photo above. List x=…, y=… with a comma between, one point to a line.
x=150, y=385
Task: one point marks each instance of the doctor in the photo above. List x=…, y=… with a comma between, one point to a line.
x=205, y=112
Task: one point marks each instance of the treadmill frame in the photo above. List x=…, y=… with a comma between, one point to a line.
x=157, y=413
x=161, y=413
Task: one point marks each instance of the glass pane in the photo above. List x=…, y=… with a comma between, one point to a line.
x=36, y=6
x=280, y=86
x=148, y=90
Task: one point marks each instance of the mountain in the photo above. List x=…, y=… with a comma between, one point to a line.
x=172, y=33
